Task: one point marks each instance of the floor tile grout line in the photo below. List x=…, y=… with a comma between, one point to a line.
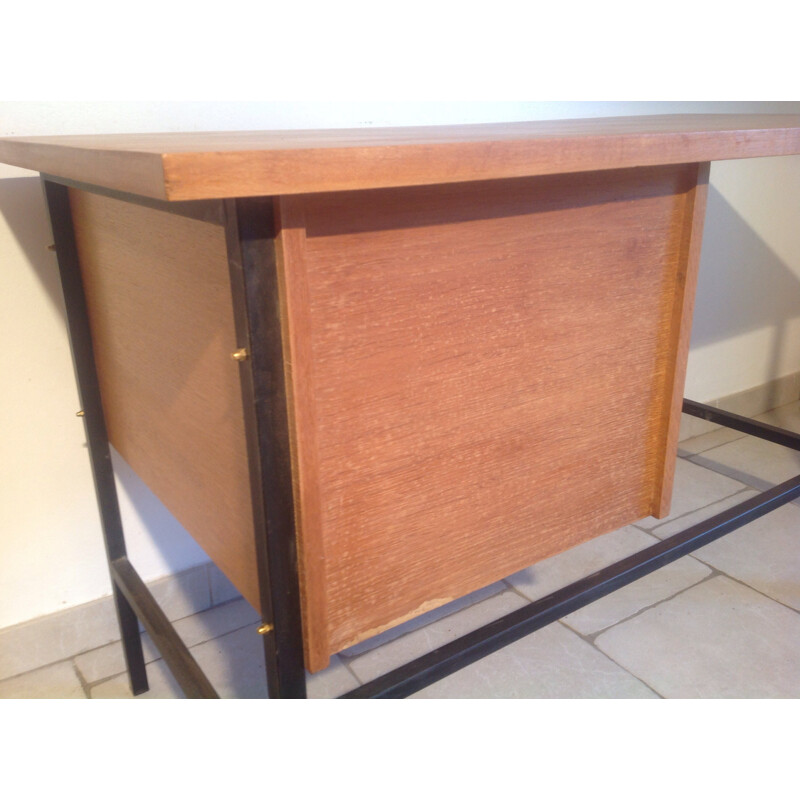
x=688, y=456
x=666, y=522
x=713, y=573
x=729, y=472
x=612, y=660
x=590, y=637
x=724, y=471
x=723, y=574
x=116, y=641
x=105, y=679
x=351, y=671
x=65, y=660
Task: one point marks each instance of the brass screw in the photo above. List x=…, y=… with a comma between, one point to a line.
x=240, y=355
x=80, y=413
x=265, y=628
x=51, y=247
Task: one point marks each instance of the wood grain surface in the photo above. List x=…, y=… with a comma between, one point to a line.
x=681, y=330
x=483, y=376
x=185, y=166
x=161, y=315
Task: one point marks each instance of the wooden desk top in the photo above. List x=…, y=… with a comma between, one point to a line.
x=191, y=166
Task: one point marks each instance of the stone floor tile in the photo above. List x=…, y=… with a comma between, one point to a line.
x=694, y=488
x=787, y=416
x=693, y=427
x=418, y=642
x=668, y=528
x=629, y=600
x=109, y=660
x=752, y=461
x=222, y=590
x=57, y=637
x=162, y=686
x=105, y=662
x=54, y=682
x=554, y=573
x=589, y=557
x=217, y=622
x=333, y=681
x=718, y=639
x=699, y=444
x=423, y=619
x=550, y=663
x=184, y=594
x=765, y=554
x=234, y=664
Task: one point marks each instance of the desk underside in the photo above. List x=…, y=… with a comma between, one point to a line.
x=481, y=375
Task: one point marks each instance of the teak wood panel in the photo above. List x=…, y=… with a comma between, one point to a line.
x=161, y=315
x=198, y=165
x=680, y=330
x=482, y=376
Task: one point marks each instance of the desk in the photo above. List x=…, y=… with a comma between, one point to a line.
x=372, y=371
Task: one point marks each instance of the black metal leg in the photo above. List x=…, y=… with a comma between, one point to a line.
x=57, y=197
x=131, y=643
x=254, y=284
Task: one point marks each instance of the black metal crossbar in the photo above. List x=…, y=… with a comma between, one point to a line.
x=743, y=424
x=80, y=336
x=176, y=654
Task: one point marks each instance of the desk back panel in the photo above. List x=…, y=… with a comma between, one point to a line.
x=483, y=375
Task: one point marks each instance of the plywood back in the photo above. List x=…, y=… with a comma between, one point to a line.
x=482, y=377
x=161, y=315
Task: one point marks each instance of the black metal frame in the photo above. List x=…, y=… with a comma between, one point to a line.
x=250, y=238
x=249, y=231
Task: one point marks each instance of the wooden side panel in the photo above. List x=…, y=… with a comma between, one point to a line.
x=299, y=364
x=161, y=314
x=483, y=372
x=681, y=331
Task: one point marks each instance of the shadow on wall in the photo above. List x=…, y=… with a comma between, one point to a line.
x=743, y=285
x=22, y=205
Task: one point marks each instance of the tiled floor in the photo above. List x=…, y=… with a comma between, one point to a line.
x=721, y=623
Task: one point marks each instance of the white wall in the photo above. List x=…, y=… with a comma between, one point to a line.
x=747, y=326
